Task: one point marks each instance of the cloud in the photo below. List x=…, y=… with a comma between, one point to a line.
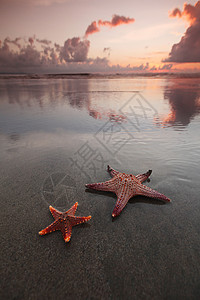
x=175, y=13
x=27, y=57
x=41, y=56
x=115, y=21
x=44, y=41
x=14, y=61
x=165, y=67
x=190, y=12
x=15, y=42
x=75, y=50
x=31, y=40
x=92, y=28
x=107, y=50
x=187, y=50
x=71, y=57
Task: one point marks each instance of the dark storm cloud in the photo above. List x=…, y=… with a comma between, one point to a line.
x=188, y=49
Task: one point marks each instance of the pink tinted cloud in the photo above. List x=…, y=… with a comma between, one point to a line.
x=190, y=12
x=175, y=13
x=188, y=49
x=115, y=21
x=92, y=28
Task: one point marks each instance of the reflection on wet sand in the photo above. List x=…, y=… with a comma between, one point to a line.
x=76, y=93
x=182, y=95
x=44, y=92
x=184, y=101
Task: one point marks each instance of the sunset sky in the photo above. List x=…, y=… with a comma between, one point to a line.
x=53, y=36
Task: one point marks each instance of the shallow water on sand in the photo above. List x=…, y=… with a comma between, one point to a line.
x=56, y=135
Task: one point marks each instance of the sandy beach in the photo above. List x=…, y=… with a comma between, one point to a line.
x=151, y=251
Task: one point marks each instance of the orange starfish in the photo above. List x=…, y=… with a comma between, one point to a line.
x=125, y=186
x=64, y=221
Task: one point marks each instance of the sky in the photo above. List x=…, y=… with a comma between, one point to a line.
x=72, y=36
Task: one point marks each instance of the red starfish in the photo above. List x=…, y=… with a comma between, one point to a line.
x=64, y=221
x=125, y=186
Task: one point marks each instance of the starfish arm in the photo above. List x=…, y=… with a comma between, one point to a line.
x=66, y=231
x=52, y=227
x=146, y=191
x=78, y=220
x=112, y=171
x=123, y=197
x=55, y=213
x=108, y=186
x=119, y=206
x=73, y=209
x=143, y=177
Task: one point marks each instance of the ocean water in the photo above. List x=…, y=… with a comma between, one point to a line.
x=56, y=135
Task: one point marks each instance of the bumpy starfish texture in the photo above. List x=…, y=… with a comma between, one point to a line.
x=125, y=186
x=64, y=221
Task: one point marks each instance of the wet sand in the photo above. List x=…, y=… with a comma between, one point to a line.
x=151, y=251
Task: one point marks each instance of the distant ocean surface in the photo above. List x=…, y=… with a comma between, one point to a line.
x=70, y=127
x=100, y=75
